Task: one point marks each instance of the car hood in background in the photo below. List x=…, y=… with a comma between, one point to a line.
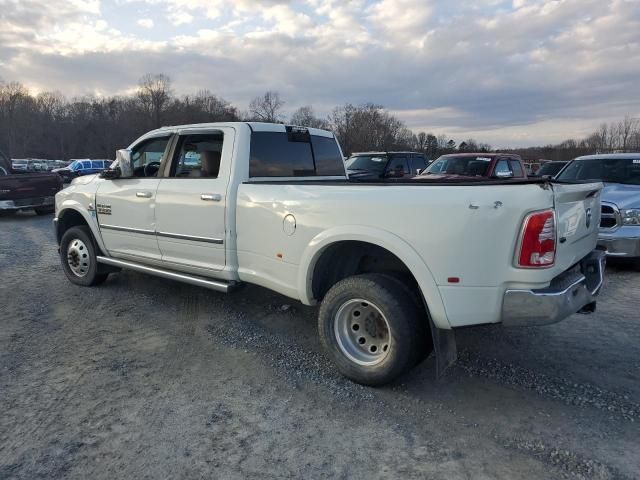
x=624, y=196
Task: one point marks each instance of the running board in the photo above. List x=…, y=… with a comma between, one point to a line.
x=217, y=285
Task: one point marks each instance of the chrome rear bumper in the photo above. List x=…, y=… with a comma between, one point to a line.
x=568, y=293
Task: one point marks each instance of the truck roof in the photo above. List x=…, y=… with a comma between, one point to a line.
x=254, y=126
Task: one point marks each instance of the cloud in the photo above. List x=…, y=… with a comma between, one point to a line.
x=145, y=22
x=514, y=71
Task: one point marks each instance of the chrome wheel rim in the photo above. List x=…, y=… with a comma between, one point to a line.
x=362, y=332
x=78, y=257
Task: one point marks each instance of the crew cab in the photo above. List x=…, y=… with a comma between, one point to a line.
x=620, y=220
x=378, y=165
x=477, y=166
x=219, y=204
x=20, y=190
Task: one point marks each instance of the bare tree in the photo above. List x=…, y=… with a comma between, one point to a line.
x=625, y=129
x=305, y=117
x=154, y=93
x=267, y=108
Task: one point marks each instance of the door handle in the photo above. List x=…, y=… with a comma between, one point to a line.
x=143, y=194
x=211, y=197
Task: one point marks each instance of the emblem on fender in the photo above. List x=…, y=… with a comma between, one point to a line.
x=588, y=217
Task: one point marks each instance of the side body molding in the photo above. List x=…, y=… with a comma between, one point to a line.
x=381, y=238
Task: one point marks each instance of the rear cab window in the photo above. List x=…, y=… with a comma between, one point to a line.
x=295, y=152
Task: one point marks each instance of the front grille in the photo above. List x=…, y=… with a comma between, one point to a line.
x=609, y=217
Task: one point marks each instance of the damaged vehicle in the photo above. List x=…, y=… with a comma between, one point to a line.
x=220, y=204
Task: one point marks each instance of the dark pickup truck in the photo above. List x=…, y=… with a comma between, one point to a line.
x=23, y=191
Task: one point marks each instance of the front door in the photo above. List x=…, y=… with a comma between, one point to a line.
x=125, y=207
x=191, y=201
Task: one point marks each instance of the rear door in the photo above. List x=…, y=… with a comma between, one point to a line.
x=192, y=201
x=125, y=207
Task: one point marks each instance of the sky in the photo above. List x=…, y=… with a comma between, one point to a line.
x=510, y=73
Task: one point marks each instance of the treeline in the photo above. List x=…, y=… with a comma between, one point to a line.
x=48, y=125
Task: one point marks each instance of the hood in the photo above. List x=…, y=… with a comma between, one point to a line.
x=63, y=169
x=624, y=196
x=84, y=180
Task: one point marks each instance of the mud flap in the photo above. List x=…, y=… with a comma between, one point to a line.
x=444, y=346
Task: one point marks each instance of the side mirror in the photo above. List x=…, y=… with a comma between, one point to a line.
x=419, y=171
x=122, y=168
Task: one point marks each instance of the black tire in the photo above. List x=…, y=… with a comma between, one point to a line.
x=423, y=334
x=44, y=210
x=402, y=317
x=91, y=277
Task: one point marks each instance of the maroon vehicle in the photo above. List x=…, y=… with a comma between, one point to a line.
x=477, y=166
x=23, y=191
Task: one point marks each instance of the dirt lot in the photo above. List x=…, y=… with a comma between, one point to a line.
x=145, y=378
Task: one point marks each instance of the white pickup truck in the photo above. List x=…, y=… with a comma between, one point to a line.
x=394, y=265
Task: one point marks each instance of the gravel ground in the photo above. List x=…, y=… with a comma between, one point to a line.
x=145, y=378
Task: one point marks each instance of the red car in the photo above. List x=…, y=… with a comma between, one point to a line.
x=476, y=165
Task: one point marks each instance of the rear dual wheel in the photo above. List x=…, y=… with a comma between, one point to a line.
x=372, y=328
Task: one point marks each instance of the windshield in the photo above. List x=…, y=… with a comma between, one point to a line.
x=369, y=163
x=468, y=165
x=77, y=165
x=612, y=170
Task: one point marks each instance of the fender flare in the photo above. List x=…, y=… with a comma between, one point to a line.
x=383, y=239
x=92, y=222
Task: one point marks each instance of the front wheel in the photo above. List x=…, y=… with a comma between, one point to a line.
x=78, y=257
x=370, y=326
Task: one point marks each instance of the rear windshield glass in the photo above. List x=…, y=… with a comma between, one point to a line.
x=367, y=163
x=283, y=154
x=471, y=165
x=613, y=170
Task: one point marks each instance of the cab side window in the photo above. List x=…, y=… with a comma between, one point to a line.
x=516, y=168
x=147, y=152
x=503, y=169
x=398, y=167
x=198, y=156
x=418, y=162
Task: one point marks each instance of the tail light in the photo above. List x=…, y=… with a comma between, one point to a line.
x=538, y=240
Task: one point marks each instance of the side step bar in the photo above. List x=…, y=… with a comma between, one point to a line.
x=217, y=285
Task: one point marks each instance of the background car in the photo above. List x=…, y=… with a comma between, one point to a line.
x=79, y=168
x=476, y=165
x=550, y=169
x=620, y=210
x=376, y=165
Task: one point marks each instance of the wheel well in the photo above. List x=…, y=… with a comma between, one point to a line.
x=346, y=258
x=69, y=218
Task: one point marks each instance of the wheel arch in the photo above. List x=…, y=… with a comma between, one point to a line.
x=72, y=216
x=327, y=243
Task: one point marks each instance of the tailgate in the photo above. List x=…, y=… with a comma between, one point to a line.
x=578, y=215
